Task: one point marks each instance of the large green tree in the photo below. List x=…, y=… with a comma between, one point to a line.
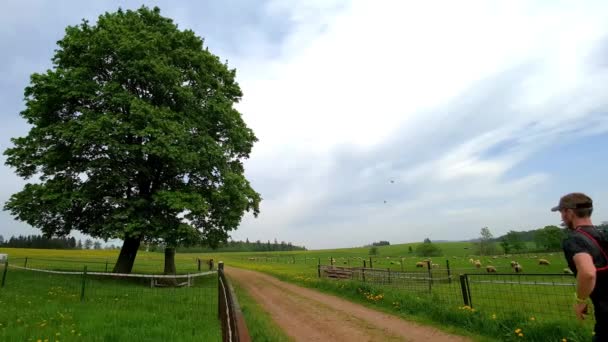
x=134, y=136
x=511, y=242
x=550, y=238
x=486, y=244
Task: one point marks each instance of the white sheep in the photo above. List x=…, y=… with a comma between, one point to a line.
x=517, y=268
x=544, y=262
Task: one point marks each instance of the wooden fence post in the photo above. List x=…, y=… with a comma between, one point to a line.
x=428, y=265
x=465, y=291
x=25, y=263
x=363, y=271
x=84, y=279
x=370, y=263
x=4, y=273
x=447, y=264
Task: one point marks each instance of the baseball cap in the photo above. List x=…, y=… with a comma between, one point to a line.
x=575, y=200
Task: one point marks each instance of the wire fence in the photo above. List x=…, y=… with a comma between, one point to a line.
x=174, y=307
x=234, y=328
x=106, y=265
x=547, y=296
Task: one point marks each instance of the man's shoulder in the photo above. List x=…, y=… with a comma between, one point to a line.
x=574, y=242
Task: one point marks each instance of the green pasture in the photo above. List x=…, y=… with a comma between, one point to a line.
x=543, y=310
x=38, y=307
x=540, y=305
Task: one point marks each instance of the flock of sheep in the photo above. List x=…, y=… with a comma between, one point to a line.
x=515, y=266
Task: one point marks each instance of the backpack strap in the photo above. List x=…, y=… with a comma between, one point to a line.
x=604, y=268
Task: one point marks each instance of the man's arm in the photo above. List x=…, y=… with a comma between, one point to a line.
x=585, y=278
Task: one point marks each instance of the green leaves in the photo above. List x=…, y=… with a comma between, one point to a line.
x=134, y=134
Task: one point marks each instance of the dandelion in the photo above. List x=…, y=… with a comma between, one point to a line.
x=520, y=334
x=532, y=319
x=517, y=331
x=564, y=340
x=39, y=340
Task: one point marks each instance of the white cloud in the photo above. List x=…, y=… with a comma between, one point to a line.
x=446, y=99
x=466, y=91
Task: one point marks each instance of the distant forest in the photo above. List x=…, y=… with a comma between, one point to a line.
x=39, y=241
x=245, y=246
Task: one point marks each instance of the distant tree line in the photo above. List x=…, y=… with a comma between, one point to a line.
x=546, y=239
x=379, y=243
x=42, y=242
x=233, y=246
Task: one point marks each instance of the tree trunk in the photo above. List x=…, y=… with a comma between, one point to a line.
x=169, y=268
x=170, y=260
x=127, y=255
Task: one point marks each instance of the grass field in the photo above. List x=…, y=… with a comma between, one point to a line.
x=536, y=307
x=39, y=306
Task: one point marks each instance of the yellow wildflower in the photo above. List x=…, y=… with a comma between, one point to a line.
x=517, y=331
x=520, y=335
x=564, y=340
x=532, y=319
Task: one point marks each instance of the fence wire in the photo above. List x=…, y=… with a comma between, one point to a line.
x=539, y=295
x=33, y=300
x=547, y=296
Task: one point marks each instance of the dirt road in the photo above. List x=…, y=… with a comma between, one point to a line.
x=308, y=315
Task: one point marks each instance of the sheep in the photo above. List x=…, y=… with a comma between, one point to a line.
x=491, y=269
x=477, y=264
x=517, y=268
x=420, y=264
x=567, y=271
x=513, y=263
x=544, y=262
x=471, y=261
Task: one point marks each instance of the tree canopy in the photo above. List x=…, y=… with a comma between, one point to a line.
x=428, y=249
x=134, y=136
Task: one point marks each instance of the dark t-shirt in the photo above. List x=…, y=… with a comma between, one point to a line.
x=575, y=243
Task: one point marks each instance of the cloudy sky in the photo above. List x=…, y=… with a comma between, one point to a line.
x=381, y=120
